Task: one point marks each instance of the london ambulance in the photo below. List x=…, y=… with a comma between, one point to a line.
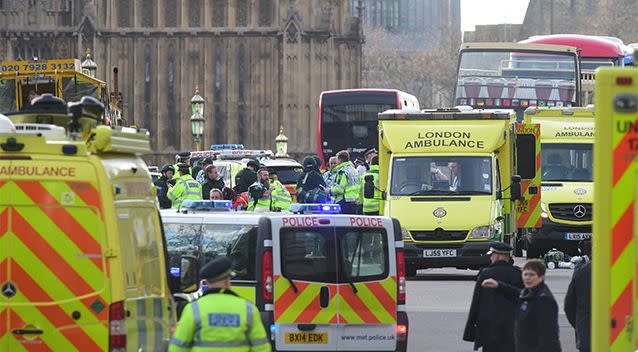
x=322, y=281
x=614, y=263
x=567, y=139
x=81, y=250
x=452, y=177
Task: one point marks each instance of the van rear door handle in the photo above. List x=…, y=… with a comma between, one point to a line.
x=324, y=297
x=27, y=331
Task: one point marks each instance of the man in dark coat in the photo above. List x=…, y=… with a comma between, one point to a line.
x=163, y=183
x=578, y=306
x=246, y=177
x=309, y=180
x=212, y=181
x=491, y=320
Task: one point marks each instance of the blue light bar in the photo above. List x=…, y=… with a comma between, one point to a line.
x=207, y=204
x=226, y=146
x=316, y=208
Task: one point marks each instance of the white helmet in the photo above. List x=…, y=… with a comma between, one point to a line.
x=6, y=126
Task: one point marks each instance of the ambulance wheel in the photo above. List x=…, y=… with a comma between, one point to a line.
x=410, y=271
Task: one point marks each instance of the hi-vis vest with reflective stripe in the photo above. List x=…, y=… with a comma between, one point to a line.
x=346, y=185
x=185, y=188
x=280, y=197
x=220, y=322
x=371, y=205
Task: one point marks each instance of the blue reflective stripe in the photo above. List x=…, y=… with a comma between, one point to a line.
x=220, y=344
x=180, y=343
x=198, y=321
x=260, y=342
x=249, y=320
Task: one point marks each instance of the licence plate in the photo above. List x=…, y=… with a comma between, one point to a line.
x=306, y=338
x=439, y=253
x=577, y=236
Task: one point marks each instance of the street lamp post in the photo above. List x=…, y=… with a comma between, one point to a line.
x=197, y=118
x=281, y=144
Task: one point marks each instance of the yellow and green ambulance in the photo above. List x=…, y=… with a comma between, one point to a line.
x=567, y=140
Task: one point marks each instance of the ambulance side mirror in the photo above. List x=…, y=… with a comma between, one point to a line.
x=368, y=187
x=515, y=188
x=188, y=273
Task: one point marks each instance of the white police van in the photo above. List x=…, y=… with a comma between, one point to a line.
x=322, y=281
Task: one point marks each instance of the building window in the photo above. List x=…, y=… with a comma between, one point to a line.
x=147, y=86
x=219, y=13
x=124, y=13
x=173, y=120
x=148, y=13
x=194, y=13
x=170, y=13
x=241, y=121
x=242, y=13
x=218, y=124
x=265, y=10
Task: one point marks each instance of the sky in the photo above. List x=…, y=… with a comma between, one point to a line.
x=477, y=12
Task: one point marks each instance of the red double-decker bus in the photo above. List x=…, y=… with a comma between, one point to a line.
x=348, y=118
x=594, y=52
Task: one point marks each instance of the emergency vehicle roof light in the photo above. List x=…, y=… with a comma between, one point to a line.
x=207, y=204
x=315, y=208
x=455, y=113
x=226, y=146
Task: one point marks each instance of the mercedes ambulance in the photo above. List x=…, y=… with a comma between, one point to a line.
x=452, y=177
x=322, y=281
x=567, y=139
x=82, y=260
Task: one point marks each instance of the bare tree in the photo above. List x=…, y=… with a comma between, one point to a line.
x=422, y=64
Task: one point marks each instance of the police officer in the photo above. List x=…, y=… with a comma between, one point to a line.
x=259, y=192
x=281, y=199
x=246, y=177
x=183, y=157
x=371, y=205
x=185, y=188
x=163, y=185
x=345, y=189
x=491, y=320
x=219, y=320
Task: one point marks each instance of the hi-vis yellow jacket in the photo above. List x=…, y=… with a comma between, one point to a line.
x=220, y=321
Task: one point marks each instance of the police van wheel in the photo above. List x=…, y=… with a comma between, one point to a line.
x=410, y=271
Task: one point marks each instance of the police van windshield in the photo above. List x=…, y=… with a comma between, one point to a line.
x=566, y=162
x=436, y=175
x=287, y=174
x=205, y=242
x=331, y=255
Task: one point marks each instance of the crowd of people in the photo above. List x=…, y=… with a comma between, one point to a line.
x=256, y=189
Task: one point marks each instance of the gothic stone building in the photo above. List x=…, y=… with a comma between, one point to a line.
x=259, y=64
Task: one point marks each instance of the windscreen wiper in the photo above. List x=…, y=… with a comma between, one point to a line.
x=292, y=283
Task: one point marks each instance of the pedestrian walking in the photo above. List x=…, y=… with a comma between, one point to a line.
x=536, y=326
x=219, y=320
x=578, y=306
x=490, y=324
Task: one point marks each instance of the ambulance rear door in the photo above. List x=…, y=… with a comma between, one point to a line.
x=305, y=276
x=53, y=275
x=367, y=290
x=528, y=166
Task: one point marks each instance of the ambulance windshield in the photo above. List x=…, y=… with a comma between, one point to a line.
x=566, y=162
x=441, y=175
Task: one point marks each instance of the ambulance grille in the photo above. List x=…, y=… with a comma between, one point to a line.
x=438, y=235
x=571, y=211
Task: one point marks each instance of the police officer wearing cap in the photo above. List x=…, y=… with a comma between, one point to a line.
x=184, y=157
x=185, y=187
x=491, y=320
x=219, y=320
